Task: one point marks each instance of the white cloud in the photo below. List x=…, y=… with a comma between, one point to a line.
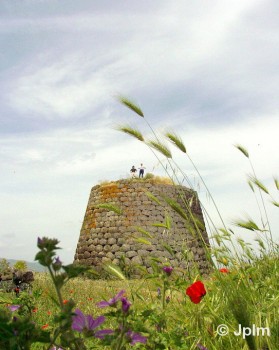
x=207, y=69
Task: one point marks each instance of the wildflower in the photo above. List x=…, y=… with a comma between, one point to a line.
x=40, y=242
x=159, y=292
x=224, y=270
x=168, y=299
x=89, y=299
x=112, y=301
x=35, y=310
x=17, y=290
x=49, y=312
x=135, y=338
x=196, y=292
x=57, y=264
x=81, y=321
x=125, y=305
x=14, y=307
x=168, y=270
x=65, y=301
x=45, y=326
x=201, y=347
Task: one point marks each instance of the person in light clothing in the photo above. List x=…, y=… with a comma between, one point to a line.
x=141, y=170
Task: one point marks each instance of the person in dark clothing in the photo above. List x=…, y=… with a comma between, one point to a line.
x=133, y=171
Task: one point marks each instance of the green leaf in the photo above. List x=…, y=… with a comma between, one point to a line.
x=159, y=224
x=168, y=248
x=152, y=197
x=168, y=222
x=131, y=105
x=110, y=207
x=176, y=207
x=142, y=240
x=141, y=230
x=115, y=271
x=5, y=298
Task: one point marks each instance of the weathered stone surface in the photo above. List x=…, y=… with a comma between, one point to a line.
x=106, y=236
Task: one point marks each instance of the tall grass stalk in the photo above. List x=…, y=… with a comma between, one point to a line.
x=174, y=139
x=254, y=179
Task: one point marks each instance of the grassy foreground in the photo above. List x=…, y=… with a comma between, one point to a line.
x=162, y=312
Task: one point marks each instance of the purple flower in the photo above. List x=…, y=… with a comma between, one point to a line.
x=14, y=307
x=57, y=264
x=58, y=261
x=125, y=305
x=201, y=347
x=159, y=292
x=168, y=270
x=135, y=338
x=85, y=322
x=112, y=301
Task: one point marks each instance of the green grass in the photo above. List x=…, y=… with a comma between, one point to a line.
x=248, y=294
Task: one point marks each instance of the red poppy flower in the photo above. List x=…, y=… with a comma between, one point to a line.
x=35, y=310
x=196, y=292
x=45, y=326
x=49, y=312
x=224, y=270
x=65, y=301
x=90, y=298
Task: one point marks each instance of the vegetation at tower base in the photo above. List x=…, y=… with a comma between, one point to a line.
x=133, y=223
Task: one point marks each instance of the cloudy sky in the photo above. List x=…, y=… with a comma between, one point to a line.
x=206, y=69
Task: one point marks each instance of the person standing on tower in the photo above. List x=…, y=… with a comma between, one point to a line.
x=133, y=171
x=141, y=170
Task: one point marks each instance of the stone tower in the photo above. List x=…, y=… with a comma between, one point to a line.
x=108, y=237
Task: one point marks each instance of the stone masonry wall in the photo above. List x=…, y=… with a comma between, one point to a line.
x=105, y=236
